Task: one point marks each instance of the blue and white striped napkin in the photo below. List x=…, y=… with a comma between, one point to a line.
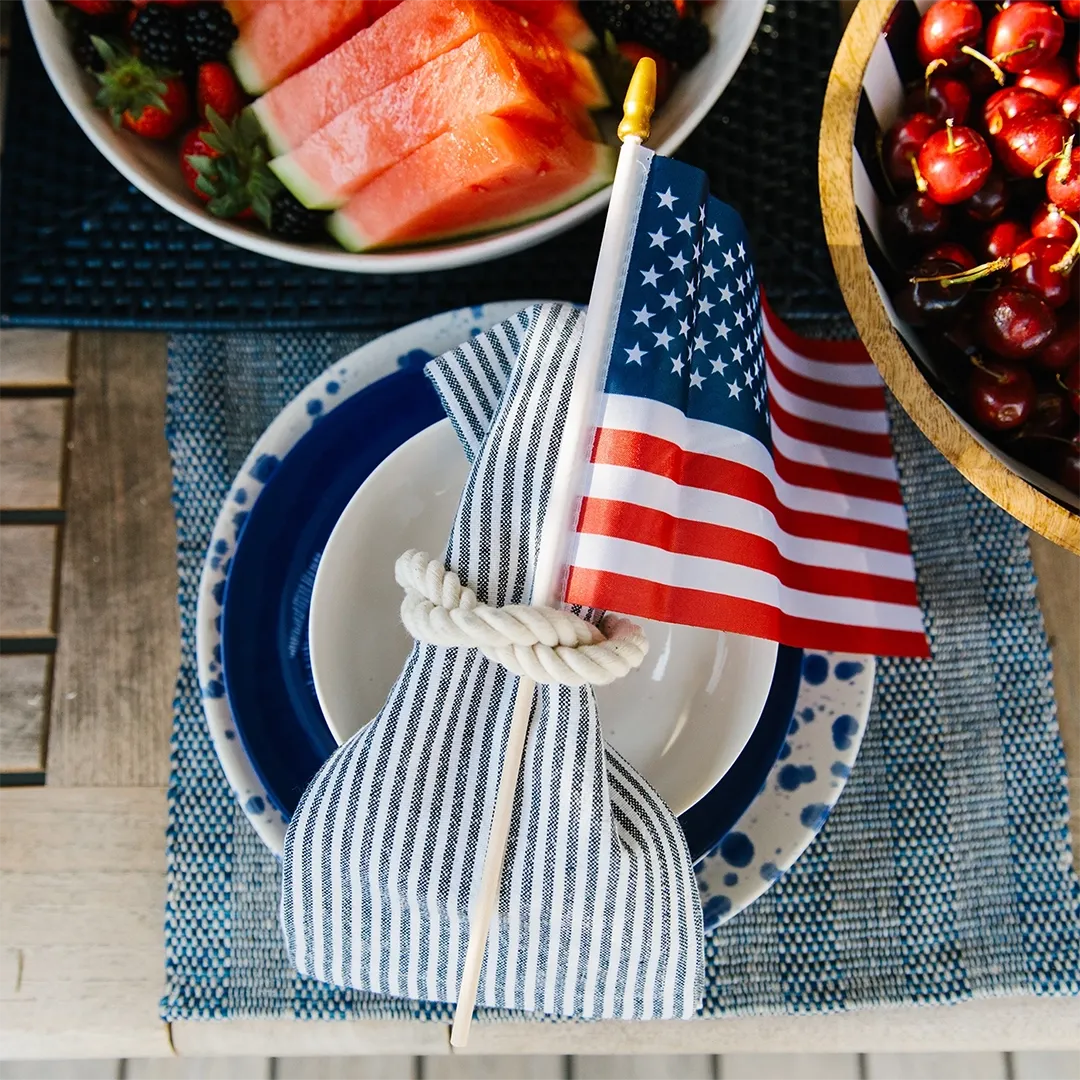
x=599, y=913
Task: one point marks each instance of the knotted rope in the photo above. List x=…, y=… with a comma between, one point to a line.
x=544, y=644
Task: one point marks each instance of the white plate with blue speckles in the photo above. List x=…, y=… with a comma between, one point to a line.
x=831, y=712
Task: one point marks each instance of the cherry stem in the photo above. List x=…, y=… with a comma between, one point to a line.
x=997, y=376
x=933, y=66
x=999, y=75
x=920, y=180
x=949, y=135
x=1015, y=52
x=1064, y=264
x=1066, y=160
x=965, y=277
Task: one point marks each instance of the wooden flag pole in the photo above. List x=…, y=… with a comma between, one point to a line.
x=573, y=453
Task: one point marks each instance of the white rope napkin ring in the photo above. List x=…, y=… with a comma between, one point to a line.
x=544, y=644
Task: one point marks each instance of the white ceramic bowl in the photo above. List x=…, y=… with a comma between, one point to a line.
x=154, y=169
x=681, y=719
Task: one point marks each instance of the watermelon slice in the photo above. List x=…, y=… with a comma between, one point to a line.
x=277, y=39
x=407, y=38
x=561, y=17
x=486, y=174
x=475, y=79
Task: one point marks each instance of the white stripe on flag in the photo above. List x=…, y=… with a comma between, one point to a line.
x=726, y=579
x=870, y=422
x=841, y=374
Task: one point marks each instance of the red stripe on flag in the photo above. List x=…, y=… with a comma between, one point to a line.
x=643, y=525
x=865, y=398
x=813, y=431
x=648, y=600
x=825, y=351
x=823, y=478
x=648, y=453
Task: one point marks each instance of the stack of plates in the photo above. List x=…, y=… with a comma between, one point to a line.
x=299, y=640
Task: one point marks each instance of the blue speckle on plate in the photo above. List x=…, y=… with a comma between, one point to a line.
x=840, y=769
x=255, y=805
x=215, y=562
x=843, y=728
x=221, y=547
x=264, y=467
x=217, y=652
x=791, y=776
x=314, y=407
x=731, y=878
x=414, y=358
x=477, y=311
x=218, y=592
x=217, y=623
x=807, y=715
x=794, y=727
x=847, y=669
x=815, y=669
x=215, y=688
x=229, y=733
x=241, y=496
x=814, y=815
x=240, y=520
x=770, y=871
x=737, y=849
x=785, y=752
x=715, y=908
x=333, y=387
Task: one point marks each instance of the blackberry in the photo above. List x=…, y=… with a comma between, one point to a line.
x=160, y=37
x=85, y=52
x=209, y=31
x=655, y=24
x=291, y=220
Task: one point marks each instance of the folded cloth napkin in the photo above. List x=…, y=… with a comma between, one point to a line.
x=599, y=913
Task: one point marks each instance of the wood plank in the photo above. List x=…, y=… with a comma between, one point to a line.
x=244, y=1068
x=290, y=1037
x=35, y=358
x=790, y=1067
x=974, y=1065
x=31, y=452
x=102, y=1069
x=27, y=569
x=643, y=1067
x=116, y=659
x=1044, y=1065
x=463, y=1066
x=23, y=689
x=349, y=1068
x=82, y=882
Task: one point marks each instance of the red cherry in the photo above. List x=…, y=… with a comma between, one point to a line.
x=1027, y=141
x=942, y=96
x=1063, y=182
x=1001, y=395
x=1071, y=381
x=1015, y=324
x=1069, y=104
x=1063, y=348
x=945, y=29
x=1037, y=276
x=1049, y=415
x=1003, y=238
x=990, y=201
x=1051, y=79
x=1025, y=35
x=929, y=302
x=902, y=142
x=1003, y=105
x=955, y=163
x=1070, y=8
x=955, y=253
x=1068, y=471
x=916, y=222
x=1049, y=221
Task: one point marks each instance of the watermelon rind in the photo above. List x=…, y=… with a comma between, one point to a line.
x=246, y=69
x=275, y=138
x=600, y=175
x=302, y=184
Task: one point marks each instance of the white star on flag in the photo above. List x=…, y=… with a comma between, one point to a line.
x=634, y=355
x=723, y=330
x=719, y=365
x=739, y=318
x=651, y=276
x=663, y=339
x=709, y=270
x=686, y=225
x=678, y=261
x=714, y=234
x=684, y=327
x=642, y=315
x=658, y=239
x=696, y=381
x=699, y=343
x=741, y=250
x=737, y=354
x=677, y=365
x=667, y=199
x=726, y=294
x=729, y=259
x=671, y=301
x=705, y=305
x=734, y=390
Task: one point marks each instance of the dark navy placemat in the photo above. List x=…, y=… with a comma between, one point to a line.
x=80, y=247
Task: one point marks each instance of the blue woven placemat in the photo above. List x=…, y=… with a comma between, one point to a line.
x=944, y=873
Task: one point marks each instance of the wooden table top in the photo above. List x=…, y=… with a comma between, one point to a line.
x=90, y=634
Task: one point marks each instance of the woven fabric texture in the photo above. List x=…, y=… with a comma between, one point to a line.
x=944, y=873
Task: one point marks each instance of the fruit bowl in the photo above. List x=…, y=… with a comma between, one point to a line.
x=865, y=95
x=153, y=168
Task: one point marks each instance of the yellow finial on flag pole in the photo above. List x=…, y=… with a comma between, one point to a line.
x=640, y=101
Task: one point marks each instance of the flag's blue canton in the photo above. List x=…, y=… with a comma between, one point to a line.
x=689, y=329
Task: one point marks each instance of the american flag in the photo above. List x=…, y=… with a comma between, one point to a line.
x=741, y=478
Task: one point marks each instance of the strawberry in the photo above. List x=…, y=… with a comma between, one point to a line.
x=96, y=9
x=235, y=177
x=193, y=146
x=151, y=102
x=218, y=90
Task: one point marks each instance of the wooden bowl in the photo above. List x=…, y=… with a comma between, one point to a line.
x=1037, y=502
